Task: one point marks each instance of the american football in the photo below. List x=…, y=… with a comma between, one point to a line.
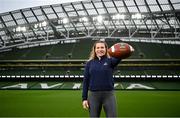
x=121, y=50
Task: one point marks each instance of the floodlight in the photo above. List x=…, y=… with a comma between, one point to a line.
x=65, y=20
x=100, y=19
x=44, y=24
x=19, y=29
x=84, y=19
x=119, y=16
x=137, y=16
x=23, y=29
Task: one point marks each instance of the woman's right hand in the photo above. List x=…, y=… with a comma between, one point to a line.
x=85, y=104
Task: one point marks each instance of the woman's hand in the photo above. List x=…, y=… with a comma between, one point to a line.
x=85, y=104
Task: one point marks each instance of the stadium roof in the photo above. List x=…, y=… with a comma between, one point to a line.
x=11, y=5
x=128, y=20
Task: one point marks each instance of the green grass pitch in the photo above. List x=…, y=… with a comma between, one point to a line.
x=67, y=103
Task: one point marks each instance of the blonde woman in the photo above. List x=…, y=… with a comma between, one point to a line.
x=98, y=80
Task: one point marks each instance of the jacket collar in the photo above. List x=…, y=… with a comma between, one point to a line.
x=100, y=58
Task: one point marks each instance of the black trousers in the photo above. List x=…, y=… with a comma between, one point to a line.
x=105, y=99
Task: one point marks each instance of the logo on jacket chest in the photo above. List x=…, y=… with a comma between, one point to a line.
x=105, y=64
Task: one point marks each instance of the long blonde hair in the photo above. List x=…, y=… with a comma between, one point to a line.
x=93, y=54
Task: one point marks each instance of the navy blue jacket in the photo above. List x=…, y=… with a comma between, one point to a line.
x=98, y=75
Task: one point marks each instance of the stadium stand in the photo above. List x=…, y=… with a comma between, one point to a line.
x=81, y=49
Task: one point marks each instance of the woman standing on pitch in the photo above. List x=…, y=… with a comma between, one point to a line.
x=98, y=79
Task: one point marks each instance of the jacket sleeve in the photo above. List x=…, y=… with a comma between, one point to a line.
x=114, y=62
x=86, y=82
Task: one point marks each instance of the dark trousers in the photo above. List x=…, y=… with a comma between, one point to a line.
x=105, y=99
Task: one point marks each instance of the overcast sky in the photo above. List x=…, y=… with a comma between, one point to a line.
x=10, y=5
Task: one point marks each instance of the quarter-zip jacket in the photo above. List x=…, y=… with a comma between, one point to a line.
x=98, y=75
